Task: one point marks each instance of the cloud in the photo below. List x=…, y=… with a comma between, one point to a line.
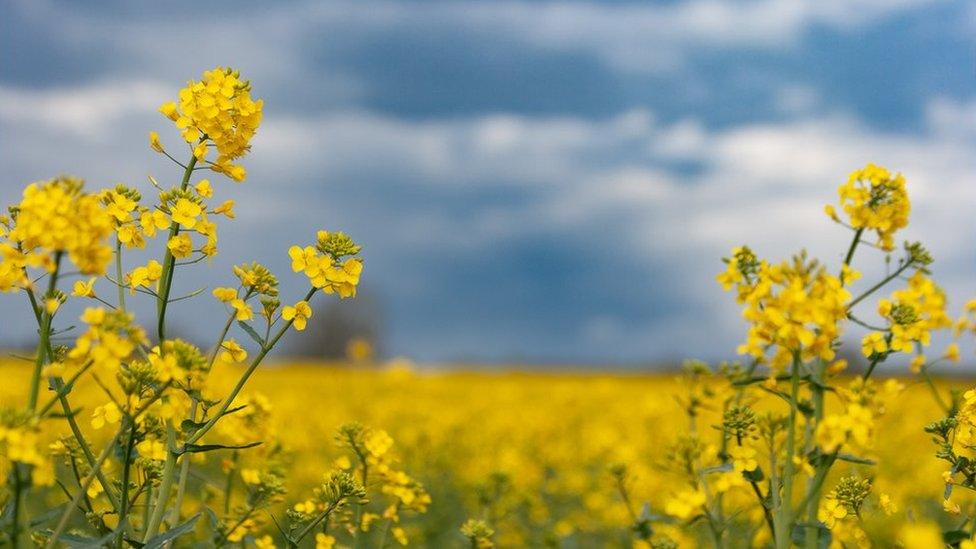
x=87, y=112
x=499, y=230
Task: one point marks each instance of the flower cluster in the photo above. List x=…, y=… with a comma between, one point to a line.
x=796, y=307
x=874, y=199
x=218, y=110
x=325, y=266
x=912, y=314
x=55, y=217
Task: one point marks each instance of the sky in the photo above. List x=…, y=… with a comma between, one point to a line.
x=532, y=181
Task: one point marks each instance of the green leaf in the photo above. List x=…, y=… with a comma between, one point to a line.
x=756, y=475
x=801, y=530
x=953, y=537
x=723, y=468
x=250, y=331
x=173, y=533
x=197, y=448
x=190, y=425
x=855, y=459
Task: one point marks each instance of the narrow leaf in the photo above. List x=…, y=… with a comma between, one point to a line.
x=197, y=448
x=250, y=331
x=173, y=533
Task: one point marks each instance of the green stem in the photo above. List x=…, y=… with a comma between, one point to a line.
x=854, y=243
x=165, y=485
x=126, y=469
x=243, y=379
x=61, y=398
x=118, y=273
x=785, y=510
x=184, y=471
x=44, y=342
x=813, y=488
x=935, y=391
x=166, y=280
x=83, y=489
x=229, y=484
x=311, y=526
x=876, y=287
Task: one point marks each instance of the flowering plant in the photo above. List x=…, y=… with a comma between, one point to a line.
x=141, y=485
x=790, y=461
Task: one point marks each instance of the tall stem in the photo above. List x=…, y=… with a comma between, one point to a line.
x=126, y=469
x=52, y=542
x=812, y=497
x=169, y=262
x=165, y=485
x=44, y=341
x=786, y=505
x=118, y=273
x=853, y=246
x=184, y=472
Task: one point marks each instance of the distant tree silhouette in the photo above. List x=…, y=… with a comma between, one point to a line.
x=339, y=323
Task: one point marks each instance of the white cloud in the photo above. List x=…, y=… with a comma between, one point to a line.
x=671, y=197
x=88, y=111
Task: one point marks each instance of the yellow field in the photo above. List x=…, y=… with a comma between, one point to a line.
x=553, y=436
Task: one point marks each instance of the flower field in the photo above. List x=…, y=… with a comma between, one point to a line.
x=534, y=451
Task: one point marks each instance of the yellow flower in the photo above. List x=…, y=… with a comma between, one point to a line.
x=743, y=458
x=916, y=364
x=303, y=258
x=324, y=541
x=887, y=505
x=952, y=352
x=686, y=505
x=204, y=189
x=130, y=236
x=830, y=511
x=84, y=288
x=154, y=142
x=341, y=280
x=264, y=542
x=107, y=414
x=250, y=476
x=232, y=352
x=185, y=212
x=93, y=316
x=168, y=110
x=180, y=246
x=151, y=221
x=873, y=343
x=378, y=443
x=145, y=276
x=837, y=366
x=225, y=295
x=298, y=315
x=244, y=311
x=200, y=151
x=226, y=209
x=151, y=448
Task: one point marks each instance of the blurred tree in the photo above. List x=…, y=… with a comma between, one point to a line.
x=344, y=329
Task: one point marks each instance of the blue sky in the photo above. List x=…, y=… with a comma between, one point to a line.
x=536, y=181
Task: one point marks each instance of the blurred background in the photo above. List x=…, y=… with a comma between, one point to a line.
x=533, y=182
